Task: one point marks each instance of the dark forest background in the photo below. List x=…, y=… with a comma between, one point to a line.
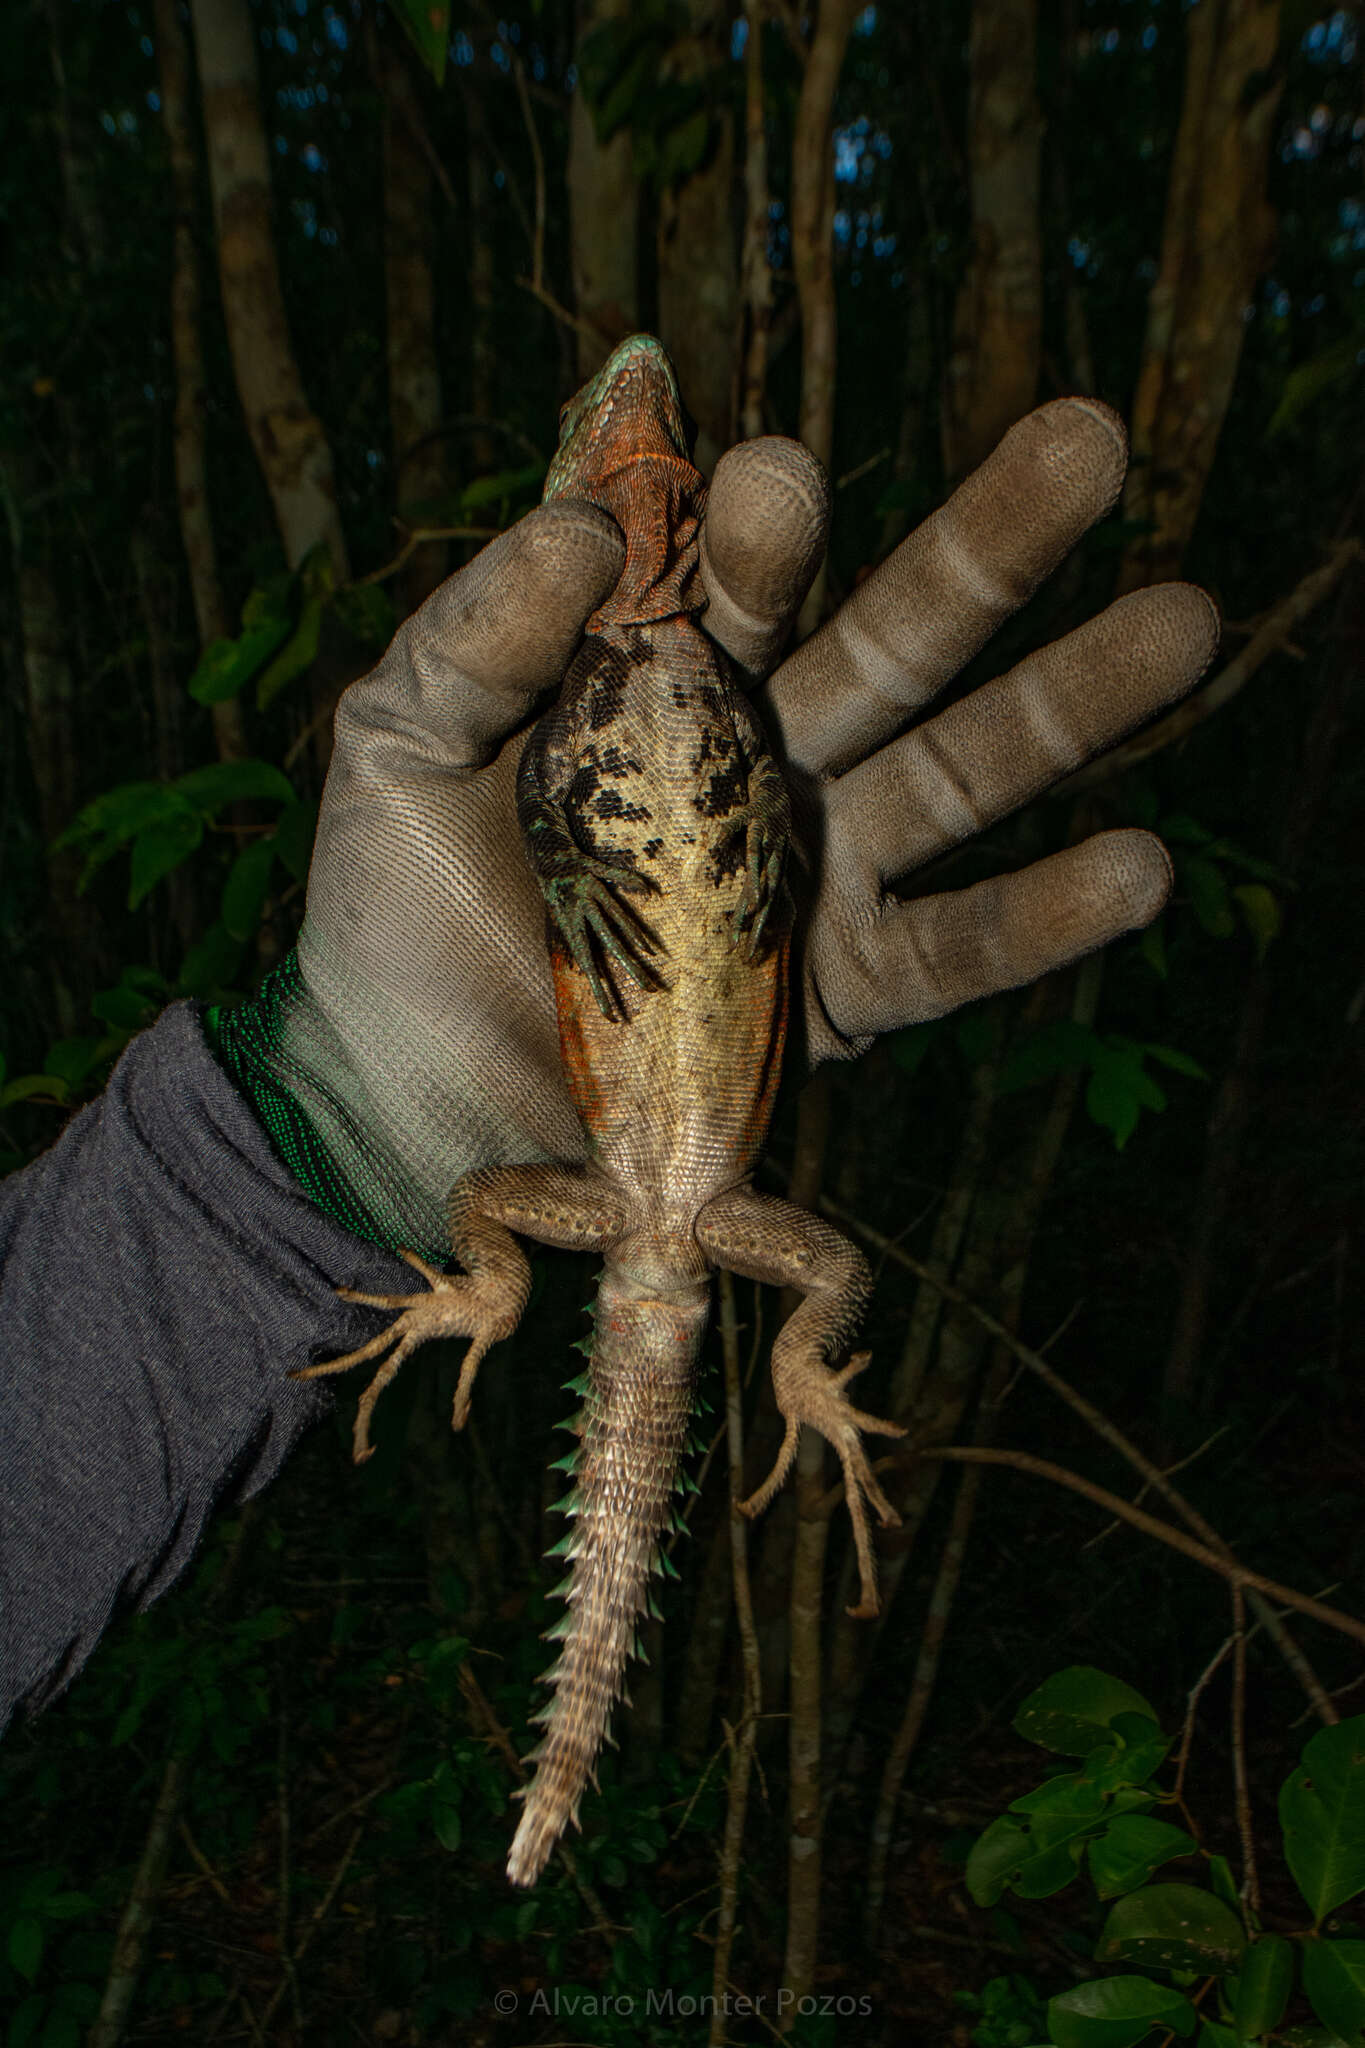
x=292, y=294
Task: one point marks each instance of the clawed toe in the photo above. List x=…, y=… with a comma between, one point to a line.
x=821, y=1403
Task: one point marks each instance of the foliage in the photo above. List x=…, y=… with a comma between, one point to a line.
x=1101, y=1814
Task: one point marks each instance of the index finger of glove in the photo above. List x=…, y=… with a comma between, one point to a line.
x=929, y=607
x=465, y=669
x=766, y=524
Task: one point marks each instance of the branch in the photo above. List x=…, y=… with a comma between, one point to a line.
x=1236, y=1574
x=746, y=1735
x=1272, y=635
x=1111, y=1434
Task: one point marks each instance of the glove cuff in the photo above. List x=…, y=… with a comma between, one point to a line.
x=250, y=1042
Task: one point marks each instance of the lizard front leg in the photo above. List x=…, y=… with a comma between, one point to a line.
x=584, y=892
x=766, y=1239
x=572, y=1207
x=760, y=831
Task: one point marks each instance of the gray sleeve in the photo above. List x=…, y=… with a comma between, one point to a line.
x=160, y=1273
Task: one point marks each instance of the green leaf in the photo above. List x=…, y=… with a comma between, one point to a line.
x=1308, y=382
x=1180, y=1062
x=124, y=1008
x=245, y=890
x=1131, y=1848
x=1224, y=1883
x=73, y=1060
x=68, y=1905
x=297, y=654
x=1264, y=1983
x=27, y=1087
x=293, y=838
x=909, y=1046
x=160, y=849
x=1061, y=1047
x=1116, y=2012
x=26, y=1945
x=1152, y=947
x=1042, y=1856
x=1173, y=1927
x=211, y=962
x=1260, y=908
x=366, y=611
x=1207, y=887
x=1334, y=1978
x=1138, y=1748
x=1120, y=1089
x=1322, y=1812
x=503, y=483
x=1074, y=1711
x=27, y=2019
x=230, y=782
x=445, y=1809
x=1212, y=2035
x=427, y=23
x=226, y=666
x=995, y=1857
x=683, y=147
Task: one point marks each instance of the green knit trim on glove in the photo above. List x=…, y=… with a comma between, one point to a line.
x=247, y=1039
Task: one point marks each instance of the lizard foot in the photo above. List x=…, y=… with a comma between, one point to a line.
x=587, y=905
x=808, y=1391
x=459, y=1305
x=762, y=828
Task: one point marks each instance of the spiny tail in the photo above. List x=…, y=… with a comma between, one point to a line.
x=638, y=1396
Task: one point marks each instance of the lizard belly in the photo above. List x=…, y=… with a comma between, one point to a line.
x=678, y=1097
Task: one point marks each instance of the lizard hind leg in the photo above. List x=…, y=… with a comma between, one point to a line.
x=766, y=1239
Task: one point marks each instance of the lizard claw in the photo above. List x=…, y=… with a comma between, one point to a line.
x=809, y=1392
x=585, y=906
x=456, y=1306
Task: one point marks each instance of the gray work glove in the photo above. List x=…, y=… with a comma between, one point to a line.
x=412, y=1035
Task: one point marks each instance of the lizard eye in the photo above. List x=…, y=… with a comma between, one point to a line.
x=564, y=413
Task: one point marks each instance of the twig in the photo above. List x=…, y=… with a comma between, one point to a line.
x=746, y=1736
x=561, y=312
x=1111, y=1434
x=537, y=167
x=1226, y=1567
x=139, y=1913
x=1267, y=639
x=1251, y=1884
x=201, y=1861
x=1197, y=1691
x=418, y=537
x=291, y=1978
x=929, y=1656
x=320, y=1912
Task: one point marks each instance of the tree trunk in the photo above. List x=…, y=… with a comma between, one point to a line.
x=604, y=203
x=812, y=203
x=992, y=373
x=1233, y=1105
x=807, y=1586
x=756, y=277
x=1216, y=241
x=698, y=269
x=483, y=345
x=419, y=470
x=290, y=445
x=187, y=354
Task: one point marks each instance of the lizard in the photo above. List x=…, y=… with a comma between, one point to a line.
x=657, y=823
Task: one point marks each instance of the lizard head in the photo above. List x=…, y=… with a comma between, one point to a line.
x=628, y=412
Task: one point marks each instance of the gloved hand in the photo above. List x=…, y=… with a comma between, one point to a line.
x=412, y=1037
